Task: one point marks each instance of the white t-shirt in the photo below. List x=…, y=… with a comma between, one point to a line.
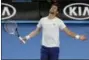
x=50, y=31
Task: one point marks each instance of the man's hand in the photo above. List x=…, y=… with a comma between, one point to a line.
x=82, y=37
x=25, y=39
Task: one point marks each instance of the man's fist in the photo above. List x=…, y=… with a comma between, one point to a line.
x=82, y=37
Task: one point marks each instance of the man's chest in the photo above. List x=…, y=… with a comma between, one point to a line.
x=50, y=25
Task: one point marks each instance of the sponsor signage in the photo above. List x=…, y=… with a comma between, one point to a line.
x=77, y=11
x=33, y=11
x=8, y=11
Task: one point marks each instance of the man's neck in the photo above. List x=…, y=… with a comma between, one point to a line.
x=51, y=16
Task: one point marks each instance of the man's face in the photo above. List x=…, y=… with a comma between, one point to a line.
x=53, y=10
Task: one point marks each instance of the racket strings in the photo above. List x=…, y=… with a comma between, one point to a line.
x=10, y=27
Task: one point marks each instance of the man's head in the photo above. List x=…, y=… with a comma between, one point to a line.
x=53, y=10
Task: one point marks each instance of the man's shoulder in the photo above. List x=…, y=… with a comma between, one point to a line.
x=44, y=17
x=59, y=19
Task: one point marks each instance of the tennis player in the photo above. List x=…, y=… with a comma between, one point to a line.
x=51, y=26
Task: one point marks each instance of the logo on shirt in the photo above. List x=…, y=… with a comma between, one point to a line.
x=78, y=11
x=54, y=24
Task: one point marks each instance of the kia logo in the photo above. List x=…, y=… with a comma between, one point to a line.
x=77, y=11
x=7, y=11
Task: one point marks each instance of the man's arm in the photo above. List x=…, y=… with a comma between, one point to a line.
x=72, y=34
x=32, y=34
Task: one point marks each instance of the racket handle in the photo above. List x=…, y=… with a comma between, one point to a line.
x=21, y=39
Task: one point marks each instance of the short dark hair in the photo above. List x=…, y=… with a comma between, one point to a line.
x=56, y=5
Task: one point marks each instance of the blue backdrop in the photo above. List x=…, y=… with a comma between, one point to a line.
x=70, y=48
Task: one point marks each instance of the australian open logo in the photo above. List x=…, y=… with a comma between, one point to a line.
x=7, y=11
x=77, y=11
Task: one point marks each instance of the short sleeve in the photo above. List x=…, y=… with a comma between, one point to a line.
x=39, y=25
x=62, y=25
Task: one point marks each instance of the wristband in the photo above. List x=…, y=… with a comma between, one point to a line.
x=27, y=37
x=77, y=36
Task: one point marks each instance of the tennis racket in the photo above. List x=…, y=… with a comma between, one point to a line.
x=11, y=27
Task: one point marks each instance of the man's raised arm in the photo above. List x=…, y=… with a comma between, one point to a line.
x=72, y=34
